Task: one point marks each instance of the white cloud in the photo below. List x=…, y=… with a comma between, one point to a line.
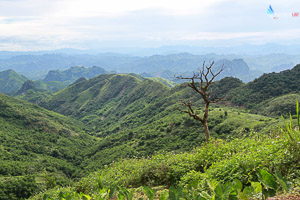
x=89, y=8
x=267, y=36
x=62, y=23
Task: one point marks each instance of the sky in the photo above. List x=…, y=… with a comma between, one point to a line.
x=31, y=25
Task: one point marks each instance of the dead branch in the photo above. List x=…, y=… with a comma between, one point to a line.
x=206, y=77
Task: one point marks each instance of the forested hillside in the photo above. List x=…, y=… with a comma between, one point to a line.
x=135, y=116
x=10, y=81
x=263, y=90
x=38, y=143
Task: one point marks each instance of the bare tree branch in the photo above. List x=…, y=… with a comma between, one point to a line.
x=206, y=77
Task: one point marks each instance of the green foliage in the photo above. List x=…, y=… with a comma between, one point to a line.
x=223, y=191
x=218, y=161
x=291, y=133
x=267, y=179
x=283, y=105
x=218, y=191
x=149, y=192
x=15, y=188
x=263, y=89
x=285, y=184
x=40, y=142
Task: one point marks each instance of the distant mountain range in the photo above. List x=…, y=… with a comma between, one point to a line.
x=246, y=49
x=169, y=68
x=12, y=82
x=35, y=66
x=74, y=73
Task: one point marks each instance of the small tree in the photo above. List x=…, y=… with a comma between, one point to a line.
x=206, y=77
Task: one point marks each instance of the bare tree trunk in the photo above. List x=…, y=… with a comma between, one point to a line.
x=207, y=134
x=205, y=117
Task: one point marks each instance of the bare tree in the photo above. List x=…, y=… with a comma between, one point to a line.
x=205, y=77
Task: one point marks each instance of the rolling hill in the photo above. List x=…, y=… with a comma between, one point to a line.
x=136, y=117
x=35, y=140
x=257, y=93
x=11, y=81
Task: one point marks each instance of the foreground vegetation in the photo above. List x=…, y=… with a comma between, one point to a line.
x=237, y=169
x=257, y=166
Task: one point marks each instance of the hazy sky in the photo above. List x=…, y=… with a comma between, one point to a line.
x=90, y=24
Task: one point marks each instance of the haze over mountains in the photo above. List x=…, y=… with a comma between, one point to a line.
x=38, y=65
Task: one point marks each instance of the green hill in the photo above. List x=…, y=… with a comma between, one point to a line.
x=11, y=81
x=267, y=86
x=135, y=117
x=283, y=105
x=35, y=141
x=35, y=91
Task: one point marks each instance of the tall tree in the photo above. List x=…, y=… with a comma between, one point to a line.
x=206, y=77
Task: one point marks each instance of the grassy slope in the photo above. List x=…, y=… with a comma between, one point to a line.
x=164, y=81
x=36, y=140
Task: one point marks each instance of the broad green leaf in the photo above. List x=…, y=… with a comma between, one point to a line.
x=223, y=191
x=247, y=193
x=283, y=182
x=267, y=179
x=256, y=187
x=237, y=185
x=213, y=183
